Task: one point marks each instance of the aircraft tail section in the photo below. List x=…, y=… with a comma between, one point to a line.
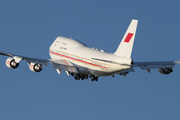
x=126, y=45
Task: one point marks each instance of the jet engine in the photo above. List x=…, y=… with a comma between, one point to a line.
x=165, y=70
x=11, y=63
x=35, y=67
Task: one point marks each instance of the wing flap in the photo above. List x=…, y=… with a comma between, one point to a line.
x=64, y=65
x=36, y=61
x=66, y=68
x=128, y=70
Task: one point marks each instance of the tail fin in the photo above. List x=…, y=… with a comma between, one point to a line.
x=126, y=45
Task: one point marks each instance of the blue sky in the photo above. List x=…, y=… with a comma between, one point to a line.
x=29, y=27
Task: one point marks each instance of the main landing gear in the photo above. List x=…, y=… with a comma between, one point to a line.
x=80, y=76
x=83, y=76
x=93, y=78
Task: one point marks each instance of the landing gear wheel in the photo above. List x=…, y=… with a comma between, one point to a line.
x=77, y=77
x=93, y=78
x=86, y=77
x=96, y=78
x=72, y=74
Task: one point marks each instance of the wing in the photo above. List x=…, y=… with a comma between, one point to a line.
x=164, y=67
x=59, y=64
x=155, y=65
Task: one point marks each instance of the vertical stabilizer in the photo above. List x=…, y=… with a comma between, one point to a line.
x=126, y=45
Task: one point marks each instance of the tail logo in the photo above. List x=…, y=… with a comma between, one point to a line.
x=128, y=37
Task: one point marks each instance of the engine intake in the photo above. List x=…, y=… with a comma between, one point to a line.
x=11, y=63
x=165, y=70
x=35, y=67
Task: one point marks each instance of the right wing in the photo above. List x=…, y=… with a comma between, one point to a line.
x=164, y=67
x=155, y=65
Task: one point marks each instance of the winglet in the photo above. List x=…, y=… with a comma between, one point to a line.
x=126, y=45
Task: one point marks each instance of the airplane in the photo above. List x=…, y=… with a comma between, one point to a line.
x=82, y=62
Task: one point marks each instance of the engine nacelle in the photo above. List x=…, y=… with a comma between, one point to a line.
x=11, y=63
x=165, y=70
x=35, y=67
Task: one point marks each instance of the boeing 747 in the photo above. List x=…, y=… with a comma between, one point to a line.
x=82, y=62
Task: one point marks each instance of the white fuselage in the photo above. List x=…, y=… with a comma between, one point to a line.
x=88, y=60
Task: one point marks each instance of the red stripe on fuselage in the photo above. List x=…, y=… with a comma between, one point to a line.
x=77, y=59
x=128, y=37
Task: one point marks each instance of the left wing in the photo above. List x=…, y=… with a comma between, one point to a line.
x=27, y=59
x=35, y=64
